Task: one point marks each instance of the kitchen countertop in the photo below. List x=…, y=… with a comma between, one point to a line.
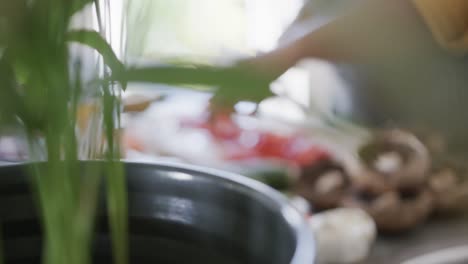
x=438, y=233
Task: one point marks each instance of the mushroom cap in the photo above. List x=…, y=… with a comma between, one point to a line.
x=449, y=185
x=322, y=184
x=434, y=140
x=393, y=158
x=394, y=211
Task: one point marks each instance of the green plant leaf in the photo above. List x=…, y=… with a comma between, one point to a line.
x=10, y=101
x=94, y=40
x=116, y=181
x=232, y=84
x=12, y=8
x=174, y=75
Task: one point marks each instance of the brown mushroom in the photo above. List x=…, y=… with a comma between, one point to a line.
x=434, y=141
x=449, y=185
x=393, y=211
x=394, y=158
x=322, y=184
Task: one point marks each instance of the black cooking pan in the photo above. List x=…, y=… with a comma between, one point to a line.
x=177, y=214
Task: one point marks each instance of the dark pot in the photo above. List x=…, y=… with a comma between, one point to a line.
x=178, y=214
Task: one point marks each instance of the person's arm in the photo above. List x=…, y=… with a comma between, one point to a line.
x=375, y=31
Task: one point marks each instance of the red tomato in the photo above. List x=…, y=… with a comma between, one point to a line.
x=220, y=125
x=311, y=156
x=271, y=145
x=296, y=150
x=223, y=127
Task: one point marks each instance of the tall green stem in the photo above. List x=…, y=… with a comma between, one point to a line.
x=116, y=182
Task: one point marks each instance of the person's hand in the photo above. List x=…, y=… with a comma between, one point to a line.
x=247, y=80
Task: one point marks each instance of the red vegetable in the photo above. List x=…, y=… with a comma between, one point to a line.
x=295, y=149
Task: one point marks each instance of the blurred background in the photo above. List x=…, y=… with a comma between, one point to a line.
x=218, y=32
